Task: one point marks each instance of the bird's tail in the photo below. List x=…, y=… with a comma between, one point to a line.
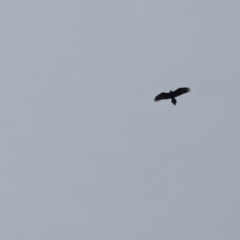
x=174, y=101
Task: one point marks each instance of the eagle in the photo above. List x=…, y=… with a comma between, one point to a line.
x=172, y=95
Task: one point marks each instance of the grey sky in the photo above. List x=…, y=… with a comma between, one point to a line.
x=85, y=151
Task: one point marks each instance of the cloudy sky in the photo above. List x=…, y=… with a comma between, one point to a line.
x=85, y=151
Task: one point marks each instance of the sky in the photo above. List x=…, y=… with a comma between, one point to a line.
x=85, y=151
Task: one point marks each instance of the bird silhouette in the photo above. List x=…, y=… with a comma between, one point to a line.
x=172, y=95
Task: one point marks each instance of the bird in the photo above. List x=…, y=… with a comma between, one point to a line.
x=172, y=95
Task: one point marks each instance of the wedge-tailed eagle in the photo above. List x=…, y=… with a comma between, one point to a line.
x=172, y=95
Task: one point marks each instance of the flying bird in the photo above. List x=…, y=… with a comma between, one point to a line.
x=172, y=95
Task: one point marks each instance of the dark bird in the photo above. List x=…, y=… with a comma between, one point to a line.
x=172, y=95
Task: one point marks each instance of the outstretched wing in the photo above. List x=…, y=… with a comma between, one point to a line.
x=180, y=91
x=162, y=96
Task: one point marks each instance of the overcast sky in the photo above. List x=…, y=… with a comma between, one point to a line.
x=86, y=154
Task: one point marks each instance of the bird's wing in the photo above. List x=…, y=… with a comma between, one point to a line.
x=180, y=91
x=161, y=96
